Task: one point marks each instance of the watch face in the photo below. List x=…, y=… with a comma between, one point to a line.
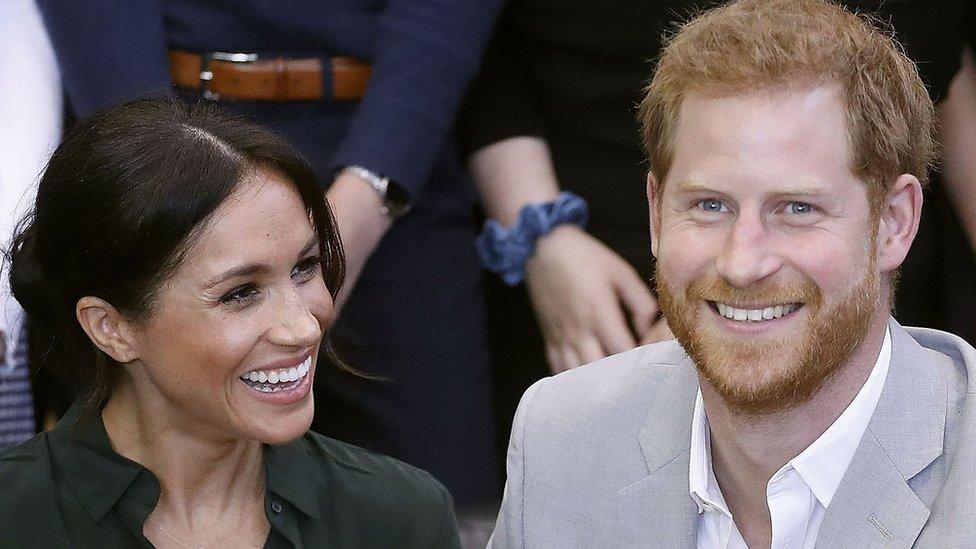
x=397, y=201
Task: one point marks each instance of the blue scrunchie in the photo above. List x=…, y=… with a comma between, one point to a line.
x=505, y=251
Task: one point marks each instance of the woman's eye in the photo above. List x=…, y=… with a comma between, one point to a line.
x=307, y=269
x=712, y=205
x=241, y=295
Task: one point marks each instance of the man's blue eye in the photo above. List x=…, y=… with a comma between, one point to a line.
x=711, y=205
x=799, y=208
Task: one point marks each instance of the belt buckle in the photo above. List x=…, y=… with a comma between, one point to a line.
x=206, y=75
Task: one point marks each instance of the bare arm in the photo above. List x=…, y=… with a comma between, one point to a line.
x=585, y=296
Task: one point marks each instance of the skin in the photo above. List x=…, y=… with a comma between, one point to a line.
x=180, y=408
x=358, y=212
x=957, y=118
x=735, y=207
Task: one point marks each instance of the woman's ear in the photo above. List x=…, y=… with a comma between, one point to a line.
x=107, y=328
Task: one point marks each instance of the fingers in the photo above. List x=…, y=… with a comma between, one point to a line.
x=560, y=358
x=572, y=354
x=588, y=349
x=638, y=300
x=611, y=327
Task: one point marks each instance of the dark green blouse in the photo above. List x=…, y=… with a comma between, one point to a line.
x=69, y=488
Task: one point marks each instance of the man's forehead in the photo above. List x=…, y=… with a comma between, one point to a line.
x=783, y=111
x=797, y=137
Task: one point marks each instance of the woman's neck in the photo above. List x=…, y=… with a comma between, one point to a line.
x=202, y=475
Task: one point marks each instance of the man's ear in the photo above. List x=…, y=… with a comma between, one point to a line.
x=107, y=328
x=898, y=222
x=654, y=210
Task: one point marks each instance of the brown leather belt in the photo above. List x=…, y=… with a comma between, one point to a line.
x=244, y=77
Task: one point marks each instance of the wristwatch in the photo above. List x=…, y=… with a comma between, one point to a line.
x=396, y=201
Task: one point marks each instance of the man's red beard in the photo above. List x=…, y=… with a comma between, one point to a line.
x=762, y=375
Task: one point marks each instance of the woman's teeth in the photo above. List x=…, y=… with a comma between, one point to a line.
x=755, y=315
x=272, y=381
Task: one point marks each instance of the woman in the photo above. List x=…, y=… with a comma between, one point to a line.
x=185, y=263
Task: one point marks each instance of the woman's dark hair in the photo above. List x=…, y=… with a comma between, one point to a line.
x=119, y=205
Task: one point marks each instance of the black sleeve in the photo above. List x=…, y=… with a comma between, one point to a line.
x=500, y=102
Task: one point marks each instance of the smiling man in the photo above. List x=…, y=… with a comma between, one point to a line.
x=788, y=141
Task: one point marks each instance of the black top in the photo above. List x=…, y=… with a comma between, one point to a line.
x=69, y=488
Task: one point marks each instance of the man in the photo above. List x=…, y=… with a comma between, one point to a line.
x=788, y=142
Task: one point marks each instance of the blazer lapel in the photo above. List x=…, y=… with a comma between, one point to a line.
x=658, y=510
x=874, y=504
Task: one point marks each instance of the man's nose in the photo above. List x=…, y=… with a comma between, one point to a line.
x=294, y=324
x=748, y=254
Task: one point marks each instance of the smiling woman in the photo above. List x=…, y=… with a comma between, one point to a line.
x=181, y=265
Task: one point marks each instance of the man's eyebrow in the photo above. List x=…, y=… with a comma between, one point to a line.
x=256, y=268
x=805, y=188
x=691, y=186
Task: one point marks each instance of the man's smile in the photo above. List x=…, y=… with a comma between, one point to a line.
x=754, y=314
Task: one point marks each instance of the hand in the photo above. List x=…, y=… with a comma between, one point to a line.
x=583, y=294
x=362, y=224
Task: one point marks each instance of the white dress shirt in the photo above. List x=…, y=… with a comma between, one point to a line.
x=800, y=492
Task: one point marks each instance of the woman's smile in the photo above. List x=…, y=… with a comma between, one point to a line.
x=280, y=385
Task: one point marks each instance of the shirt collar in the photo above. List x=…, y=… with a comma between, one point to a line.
x=96, y=474
x=701, y=478
x=821, y=465
x=100, y=477
x=294, y=472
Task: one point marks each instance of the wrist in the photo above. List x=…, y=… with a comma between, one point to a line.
x=505, y=250
x=356, y=206
x=555, y=242
x=394, y=200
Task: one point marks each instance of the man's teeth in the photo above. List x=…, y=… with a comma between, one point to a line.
x=755, y=315
x=272, y=377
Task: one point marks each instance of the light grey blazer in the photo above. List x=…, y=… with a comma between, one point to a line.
x=599, y=455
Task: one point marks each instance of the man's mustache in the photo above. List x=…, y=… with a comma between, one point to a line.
x=764, y=293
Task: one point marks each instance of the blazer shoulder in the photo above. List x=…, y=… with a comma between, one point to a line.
x=615, y=380
x=950, y=346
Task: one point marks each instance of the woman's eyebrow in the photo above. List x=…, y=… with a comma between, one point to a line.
x=239, y=271
x=256, y=268
x=312, y=242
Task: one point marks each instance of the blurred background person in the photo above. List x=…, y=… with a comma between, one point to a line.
x=31, y=114
x=553, y=110
x=180, y=265
x=367, y=90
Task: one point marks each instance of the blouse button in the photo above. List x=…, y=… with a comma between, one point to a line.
x=275, y=506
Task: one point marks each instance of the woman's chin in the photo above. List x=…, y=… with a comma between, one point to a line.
x=284, y=429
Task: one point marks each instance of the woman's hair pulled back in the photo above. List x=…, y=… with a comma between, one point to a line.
x=122, y=199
